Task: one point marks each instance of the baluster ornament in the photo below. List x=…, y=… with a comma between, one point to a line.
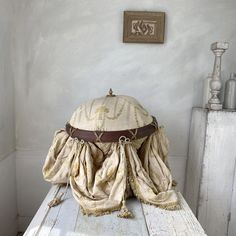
x=218, y=49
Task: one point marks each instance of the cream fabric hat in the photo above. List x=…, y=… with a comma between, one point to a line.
x=103, y=174
x=110, y=113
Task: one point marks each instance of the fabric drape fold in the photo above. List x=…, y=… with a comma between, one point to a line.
x=58, y=162
x=103, y=175
x=102, y=191
x=152, y=182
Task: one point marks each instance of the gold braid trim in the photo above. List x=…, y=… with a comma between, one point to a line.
x=99, y=212
x=167, y=206
x=132, y=183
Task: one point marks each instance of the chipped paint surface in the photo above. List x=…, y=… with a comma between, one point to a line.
x=67, y=219
x=210, y=178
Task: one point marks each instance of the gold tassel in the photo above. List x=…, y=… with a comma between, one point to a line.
x=124, y=211
x=170, y=207
x=55, y=201
x=174, y=183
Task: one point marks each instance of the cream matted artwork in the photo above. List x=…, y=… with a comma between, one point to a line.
x=144, y=27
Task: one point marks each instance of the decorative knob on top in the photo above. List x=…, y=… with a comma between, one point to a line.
x=110, y=93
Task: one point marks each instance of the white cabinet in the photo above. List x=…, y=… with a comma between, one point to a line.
x=210, y=177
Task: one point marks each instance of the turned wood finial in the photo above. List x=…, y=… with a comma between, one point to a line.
x=110, y=93
x=218, y=49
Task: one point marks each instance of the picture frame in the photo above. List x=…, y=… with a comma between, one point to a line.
x=143, y=27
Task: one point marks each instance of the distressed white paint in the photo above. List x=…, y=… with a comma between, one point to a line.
x=172, y=223
x=232, y=222
x=66, y=219
x=8, y=209
x=195, y=155
x=213, y=197
x=69, y=51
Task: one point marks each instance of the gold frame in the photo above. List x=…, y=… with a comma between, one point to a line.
x=143, y=27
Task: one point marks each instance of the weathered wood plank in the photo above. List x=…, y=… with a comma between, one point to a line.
x=172, y=223
x=61, y=220
x=232, y=216
x=216, y=196
x=41, y=213
x=195, y=155
x=66, y=219
x=111, y=225
x=217, y=173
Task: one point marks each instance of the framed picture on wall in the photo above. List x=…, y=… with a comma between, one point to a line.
x=143, y=27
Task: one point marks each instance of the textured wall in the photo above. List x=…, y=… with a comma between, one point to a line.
x=8, y=208
x=7, y=130
x=8, y=211
x=70, y=51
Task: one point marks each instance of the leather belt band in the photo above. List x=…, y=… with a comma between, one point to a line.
x=111, y=136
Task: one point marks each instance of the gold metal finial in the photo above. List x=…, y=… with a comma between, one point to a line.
x=110, y=93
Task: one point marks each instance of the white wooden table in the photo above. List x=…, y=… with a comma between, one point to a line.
x=66, y=220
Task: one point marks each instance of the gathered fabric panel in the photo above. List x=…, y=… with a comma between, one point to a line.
x=100, y=191
x=103, y=175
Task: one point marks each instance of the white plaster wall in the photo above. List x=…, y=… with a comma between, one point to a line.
x=67, y=52
x=8, y=209
x=7, y=130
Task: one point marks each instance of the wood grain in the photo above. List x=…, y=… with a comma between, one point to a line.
x=232, y=218
x=195, y=156
x=210, y=177
x=217, y=173
x=66, y=219
x=172, y=223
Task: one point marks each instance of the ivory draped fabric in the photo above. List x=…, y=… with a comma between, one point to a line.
x=103, y=175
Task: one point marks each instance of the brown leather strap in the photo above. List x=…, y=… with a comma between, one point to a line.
x=111, y=136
